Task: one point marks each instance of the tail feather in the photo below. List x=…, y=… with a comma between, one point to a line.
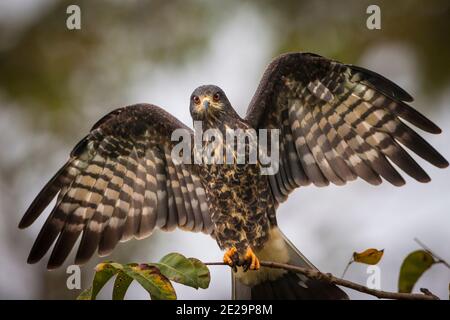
x=287, y=285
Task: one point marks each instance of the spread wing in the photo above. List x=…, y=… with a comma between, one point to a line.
x=119, y=182
x=338, y=122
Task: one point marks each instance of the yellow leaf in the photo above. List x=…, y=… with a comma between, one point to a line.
x=369, y=256
x=100, y=266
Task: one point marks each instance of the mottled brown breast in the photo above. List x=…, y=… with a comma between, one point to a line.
x=240, y=202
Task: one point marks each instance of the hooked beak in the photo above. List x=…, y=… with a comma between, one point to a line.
x=206, y=104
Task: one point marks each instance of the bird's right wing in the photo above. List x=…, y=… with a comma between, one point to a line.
x=119, y=182
x=338, y=122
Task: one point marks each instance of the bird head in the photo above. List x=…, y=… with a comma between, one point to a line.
x=209, y=103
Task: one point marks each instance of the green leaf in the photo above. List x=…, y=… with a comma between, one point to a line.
x=154, y=277
x=151, y=279
x=203, y=275
x=178, y=268
x=104, y=272
x=414, y=265
x=86, y=294
x=121, y=285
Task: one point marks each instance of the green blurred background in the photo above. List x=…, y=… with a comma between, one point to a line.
x=55, y=83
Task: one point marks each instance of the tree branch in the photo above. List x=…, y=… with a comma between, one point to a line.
x=328, y=277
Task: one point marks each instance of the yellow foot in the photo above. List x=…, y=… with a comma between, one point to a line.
x=251, y=260
x=231, y=258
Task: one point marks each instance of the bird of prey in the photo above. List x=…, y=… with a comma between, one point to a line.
x=337, y=122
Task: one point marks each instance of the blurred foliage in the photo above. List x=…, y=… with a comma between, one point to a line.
x=40, y=69
x=337, y=29
x=153, y=277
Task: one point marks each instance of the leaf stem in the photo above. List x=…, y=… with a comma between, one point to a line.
x=347, y=266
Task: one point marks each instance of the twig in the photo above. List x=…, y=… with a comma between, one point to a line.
x=328, y=277
x=428, y=293
x=435, y=256
x=347, y=266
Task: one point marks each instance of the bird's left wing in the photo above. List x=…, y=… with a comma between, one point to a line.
x=119, y=182
x=338, y=122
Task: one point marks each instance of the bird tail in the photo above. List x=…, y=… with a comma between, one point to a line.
x=270, y=283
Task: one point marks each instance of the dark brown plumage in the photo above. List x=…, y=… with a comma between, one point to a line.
x=118, y=184
x=337, y=122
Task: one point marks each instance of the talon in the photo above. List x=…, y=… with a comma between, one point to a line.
x=235, y=258
x=231, y=257
x=252, y=261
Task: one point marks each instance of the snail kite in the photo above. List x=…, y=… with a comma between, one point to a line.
x=337, y=122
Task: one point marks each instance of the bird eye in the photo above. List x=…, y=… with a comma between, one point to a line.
x=196, y=99
x=216, y=97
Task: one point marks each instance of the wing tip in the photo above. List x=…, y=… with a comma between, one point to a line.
x=437, y=160
x=383, y=84
x=405, y=96
x=81, y=259
x=34, y=257
x=23, y=224
x=53, y=265
x=56, y=258
x=443, y=164
x=32, y=260
x=424, y=179
x=321, y=184
x=429, y=126
x=373, y=180
x=435, y=129
x=30, y=215
x=398, y=183
x=103, y=252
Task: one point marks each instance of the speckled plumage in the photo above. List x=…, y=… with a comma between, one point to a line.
x=240, y=202
x=337, y=122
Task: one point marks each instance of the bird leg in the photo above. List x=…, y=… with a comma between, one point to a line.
x=251, y=261
x=231, y=258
